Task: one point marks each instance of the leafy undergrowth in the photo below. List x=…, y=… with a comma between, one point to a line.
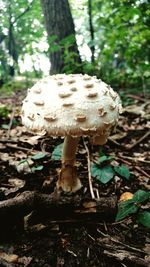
x=31, y=163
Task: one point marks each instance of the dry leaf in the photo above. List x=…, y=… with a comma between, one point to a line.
x=118, y=136
x=12, y=258
x=24, y=166
x=126, y=196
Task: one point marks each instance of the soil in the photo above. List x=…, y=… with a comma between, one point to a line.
x=70, y=236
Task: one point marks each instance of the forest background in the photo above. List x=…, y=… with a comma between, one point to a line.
x=113, y=39
x=109, y=39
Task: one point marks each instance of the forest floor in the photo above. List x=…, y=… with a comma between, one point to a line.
x=40, y=227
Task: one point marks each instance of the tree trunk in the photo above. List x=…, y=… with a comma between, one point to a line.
x=91, y=30
x=59, y=24
x=12, y=48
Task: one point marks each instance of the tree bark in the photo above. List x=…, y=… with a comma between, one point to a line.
x=11, y=42
x=59, y=23
x=91, y=30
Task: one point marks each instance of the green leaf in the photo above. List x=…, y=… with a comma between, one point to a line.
x=104, y=174
x=122, y=171
x=52, y=39
x=130, y=206
x=57, y=152
x=144, y=218
x=67, y=40
x=37, y=168
x=104, y=158
x=125, y=208
x=22, y=161
x=5, y=126
x=53, y=48
x=39, y=156
x=141, y=196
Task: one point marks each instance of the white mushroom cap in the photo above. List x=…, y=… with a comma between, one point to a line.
x=72, y=104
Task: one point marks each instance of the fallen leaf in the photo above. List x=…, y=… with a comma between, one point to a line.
x=118, y=136
x=12, y=258
x=147, y=248
x=32, y=140
x=25, y=261
x=12, y=186
x=126, y=196
x=24, y=166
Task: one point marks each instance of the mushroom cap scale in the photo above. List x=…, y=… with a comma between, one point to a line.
x=69, y=108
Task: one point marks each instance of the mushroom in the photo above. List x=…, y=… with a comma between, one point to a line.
x=71, y=106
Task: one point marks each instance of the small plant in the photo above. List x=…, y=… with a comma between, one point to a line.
x=134, y=206
x=57, y=152
x=104, y=172
x=4, y=111
x=125, y=99
x=26, y=164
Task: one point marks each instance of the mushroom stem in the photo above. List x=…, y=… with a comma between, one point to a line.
x=69, y=150
x=68, y=180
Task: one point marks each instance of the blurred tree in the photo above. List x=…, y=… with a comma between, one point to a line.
x=17, y=32
x=121, y=40
x=91, y=27
x=64, y=55
x=123, y=37
x=113, y=38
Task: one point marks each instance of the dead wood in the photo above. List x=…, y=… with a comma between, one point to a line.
x=127, y=257
x=125, y=254
x=138, y=141
x=58, y=207
x=136, y=97
x=89, y=170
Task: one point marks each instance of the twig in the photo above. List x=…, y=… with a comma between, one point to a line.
x=135, y=97
x=89, y=170
x=8, y=141
x=126, y=257
x=133, y=159
x=136, y=167
x=23, y=13
x=18, y=147
x=142, y=171
x=121, y=243
x=11, y=122
x=114, y=141
x=124, y=161
x=54, y=206
x=97, y=193
x=138, y=141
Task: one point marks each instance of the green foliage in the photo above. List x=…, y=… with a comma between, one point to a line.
x=53, y=46
x=104, y=158
x=21, y=28
x=126, y=208
x=141, y=196
x=57, y=152
x=104, y=172
x=144, y=218
x=39, y=156
x=121, y=39
x=133, y=206
x=4, y=111
x=125, y=99
x=70, y=56
x=14, y=85
x=122, y=171
x=37, y=168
